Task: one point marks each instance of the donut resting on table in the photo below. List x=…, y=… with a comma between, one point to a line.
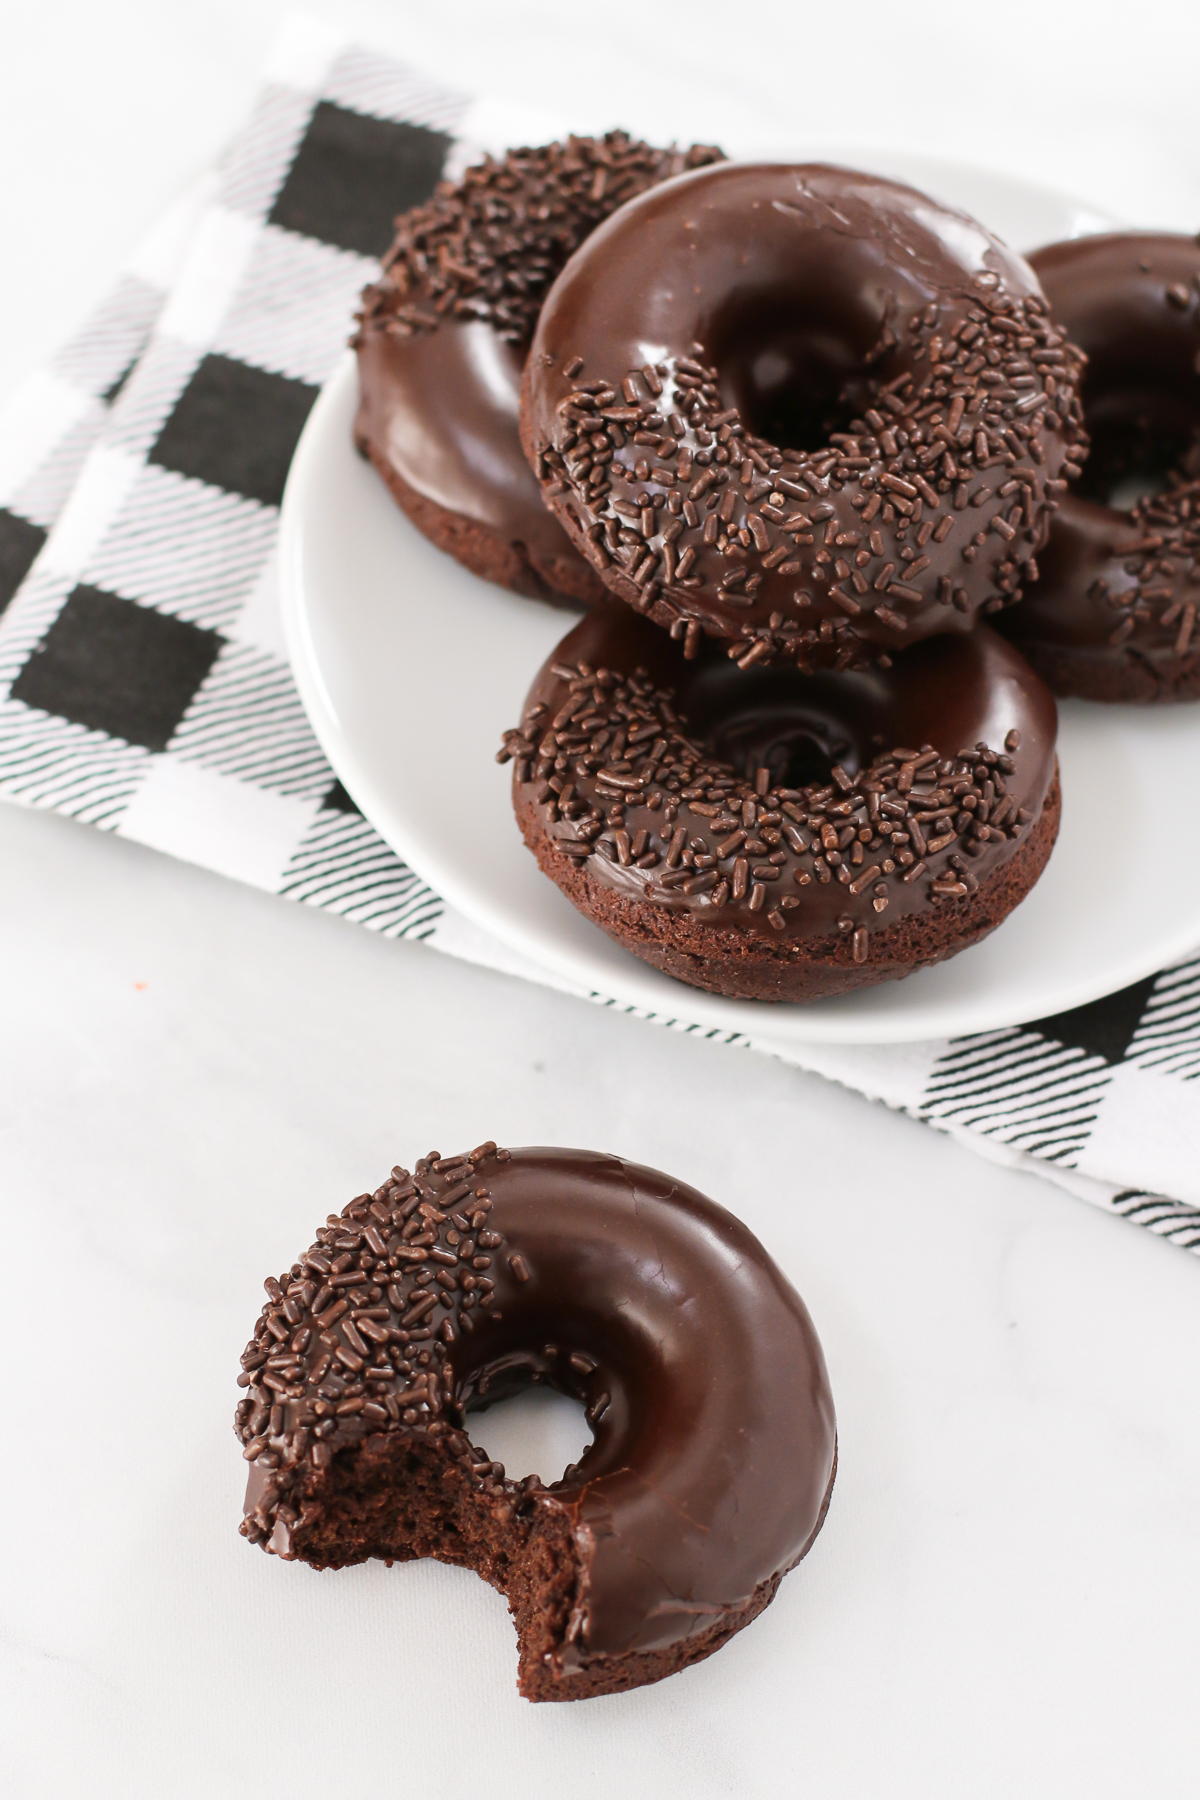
x=452, y=1287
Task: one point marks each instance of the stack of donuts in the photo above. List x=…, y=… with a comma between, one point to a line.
x=849, y=491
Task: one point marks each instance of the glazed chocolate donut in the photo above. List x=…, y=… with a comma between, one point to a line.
x=714, y=1448
x=807, y=411
x=443, y=336
x=1113, y=615
x=777, y=836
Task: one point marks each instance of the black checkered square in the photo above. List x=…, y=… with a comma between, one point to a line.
x=112, y=392
x=1104, y=1028
x=236, y=427
x=353, y=174
x=338, y=800
x=117, y=667
x=20, y=541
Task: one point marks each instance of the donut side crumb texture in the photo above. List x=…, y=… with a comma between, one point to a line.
x=1162, y=564
x=687, y=513
x=1143, y=676
x=740, y=855
x=348, y=1395
x=489, y=246
x=565, y=581
x=723, y=961
x=354, y=1336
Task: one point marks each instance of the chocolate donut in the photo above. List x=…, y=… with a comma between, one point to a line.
x=772, y=835
x=442, y=340
x=843, y=412
x=1113, y=615
x=445, y=1290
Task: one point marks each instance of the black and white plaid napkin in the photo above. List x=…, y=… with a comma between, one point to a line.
x=144, y=686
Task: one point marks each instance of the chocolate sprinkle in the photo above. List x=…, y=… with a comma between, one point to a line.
x=489, y=246
x=982, y=416
x=319, y=1376
x=1163, y=570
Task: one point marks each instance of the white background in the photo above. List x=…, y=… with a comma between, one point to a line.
x=1003, y=1601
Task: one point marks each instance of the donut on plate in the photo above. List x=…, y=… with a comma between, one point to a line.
x=770, y=835
x=809, y=412
x=1113, y=614
x=442, y=340
x=714, y=1438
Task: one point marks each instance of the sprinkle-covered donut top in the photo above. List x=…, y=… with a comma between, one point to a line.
x=720, y=300
x=641, y=765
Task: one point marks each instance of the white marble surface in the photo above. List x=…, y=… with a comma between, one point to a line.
x=1003, y=1601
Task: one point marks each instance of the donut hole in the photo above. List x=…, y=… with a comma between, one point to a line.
x=798, y=751
x=1135, y=450
x=1140, y=437
x=534, y=1431
x=794, y=725
x=796, y=373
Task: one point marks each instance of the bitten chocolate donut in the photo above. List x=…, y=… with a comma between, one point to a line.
x=450, y=1288
x=807, y=411
x=777, y=836
x=1113, y=615
x=442, y=340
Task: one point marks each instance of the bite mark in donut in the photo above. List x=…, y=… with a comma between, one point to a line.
x=714, y=1437
x=768, y=835
x=1113, y=615
x=746, y=290
x=442, y=339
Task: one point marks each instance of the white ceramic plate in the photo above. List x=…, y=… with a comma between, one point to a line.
x=411, y=669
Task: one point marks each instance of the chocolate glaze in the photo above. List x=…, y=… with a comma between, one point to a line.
x=949, y=694
x=776, y=301
x=714, y=1442
x=440, y=409
x=1113, y=613
x=441, y=348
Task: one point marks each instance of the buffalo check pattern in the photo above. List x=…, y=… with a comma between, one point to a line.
x=144, y=687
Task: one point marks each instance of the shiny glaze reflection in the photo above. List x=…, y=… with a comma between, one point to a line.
x=712, y=1461
x=804, y=286
x=1141, y=398
x=950, y=692
x=441, y=407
